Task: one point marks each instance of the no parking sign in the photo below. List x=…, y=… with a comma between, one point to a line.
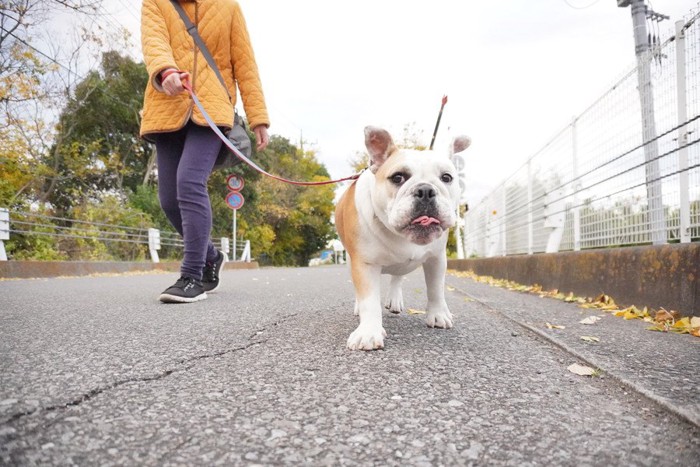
x=234, y=200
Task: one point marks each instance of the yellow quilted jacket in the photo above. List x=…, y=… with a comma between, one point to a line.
x=167, y=44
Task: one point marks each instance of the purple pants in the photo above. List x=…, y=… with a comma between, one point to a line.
x=185, y=161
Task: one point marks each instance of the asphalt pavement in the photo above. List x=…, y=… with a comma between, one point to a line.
x=96, y=371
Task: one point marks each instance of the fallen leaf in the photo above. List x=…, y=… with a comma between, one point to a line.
x=682, y=326
x=633, y=313
x=630, y=315
x=412, y=311
x=695, y=326
x=590, y=339
x=590, y=320
x=663, y=315
x=605, y=300
x=687, y=325
x=581, y=370
x=450, y=288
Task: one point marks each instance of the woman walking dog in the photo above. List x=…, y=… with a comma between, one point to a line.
x=186, y=147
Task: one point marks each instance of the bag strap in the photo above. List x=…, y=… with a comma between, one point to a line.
x=192, y=30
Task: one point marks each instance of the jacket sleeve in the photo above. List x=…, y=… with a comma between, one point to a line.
x=155, y=42
x=245, y=71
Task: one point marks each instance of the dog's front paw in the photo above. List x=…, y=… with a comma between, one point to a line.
x=367, y=338
x=439, y=319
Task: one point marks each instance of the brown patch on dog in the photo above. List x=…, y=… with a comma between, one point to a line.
x=347, y=224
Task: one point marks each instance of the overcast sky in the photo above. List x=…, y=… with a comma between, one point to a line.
x=515, y=71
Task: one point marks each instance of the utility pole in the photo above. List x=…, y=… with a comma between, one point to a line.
x=655, y=205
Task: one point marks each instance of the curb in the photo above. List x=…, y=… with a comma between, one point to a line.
x=45, y=269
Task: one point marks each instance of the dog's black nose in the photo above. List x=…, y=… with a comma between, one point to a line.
x=424, y=192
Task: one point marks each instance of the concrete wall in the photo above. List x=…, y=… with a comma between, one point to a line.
x=665, y=276
x=34, y=269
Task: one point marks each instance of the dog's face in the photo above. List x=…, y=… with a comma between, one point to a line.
x=415, y=192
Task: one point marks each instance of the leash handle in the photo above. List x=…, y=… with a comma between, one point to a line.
x=194, y=32
x=184, y=75
x=187, y=85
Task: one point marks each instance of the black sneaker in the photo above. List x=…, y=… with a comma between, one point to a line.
x=185, y=290
x=210, y=275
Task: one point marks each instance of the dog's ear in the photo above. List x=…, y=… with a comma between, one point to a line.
x=379, y=145
x=459, y=144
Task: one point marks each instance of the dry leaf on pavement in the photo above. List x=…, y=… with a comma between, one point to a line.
x=633, y=313
x=590, y=320
x=663, y=315
x=581, y=370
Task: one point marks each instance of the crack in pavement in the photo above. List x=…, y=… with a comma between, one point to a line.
x=144, y=379
x=170, y=453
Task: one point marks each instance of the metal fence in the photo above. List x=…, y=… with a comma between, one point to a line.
x=624, y=172
x=71, y=238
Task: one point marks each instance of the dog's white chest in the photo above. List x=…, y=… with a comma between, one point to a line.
x=401, y=269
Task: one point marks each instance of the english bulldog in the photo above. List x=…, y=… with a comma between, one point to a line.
x=394, y=218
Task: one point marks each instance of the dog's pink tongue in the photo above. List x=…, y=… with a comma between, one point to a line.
x=425, y=220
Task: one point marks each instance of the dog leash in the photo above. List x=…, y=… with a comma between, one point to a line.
x=186, y=84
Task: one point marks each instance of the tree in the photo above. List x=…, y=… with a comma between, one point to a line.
x=15, y=167
x=98, y=146
x=39, y=69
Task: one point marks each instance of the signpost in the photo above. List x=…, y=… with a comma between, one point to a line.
x=234, y=200
x=437, y=124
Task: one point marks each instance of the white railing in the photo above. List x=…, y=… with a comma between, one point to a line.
x=599, y=182
x=27, y=223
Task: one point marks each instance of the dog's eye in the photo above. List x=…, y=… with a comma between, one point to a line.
x=446, y=178
x=398, y=178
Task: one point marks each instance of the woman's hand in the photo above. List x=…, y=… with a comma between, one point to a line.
x=261, y=137
x=172, y=83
